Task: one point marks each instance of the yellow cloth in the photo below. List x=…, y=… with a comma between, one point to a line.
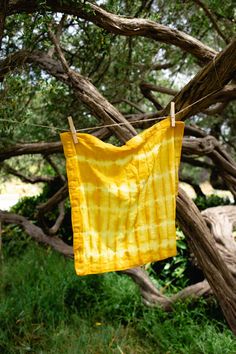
x=123, y=198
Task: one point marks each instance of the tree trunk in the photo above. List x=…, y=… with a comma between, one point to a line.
x=204, y=247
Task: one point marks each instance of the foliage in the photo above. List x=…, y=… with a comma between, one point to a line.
x=171, y=274
x=175, y=273
x=204, y=202
x=115, y=64
x=46, y=308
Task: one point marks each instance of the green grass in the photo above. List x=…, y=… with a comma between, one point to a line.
x=46, y=308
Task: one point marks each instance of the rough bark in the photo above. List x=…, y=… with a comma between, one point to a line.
x=150, y=294
x=208, y=80
x=202, y=244
x=193, y=291
x=30, y=148
x=221, y=220
x=211, y=78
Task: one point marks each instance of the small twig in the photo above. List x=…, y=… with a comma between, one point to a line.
x=211, y=18
x=146, y=91
x=59, y=29
x=53, y=230
x=130, y=103
x=58, y=197
x=54, y=166
x=58, y=50
x=44, y=208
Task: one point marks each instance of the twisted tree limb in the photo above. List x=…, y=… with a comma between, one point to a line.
x=208, y=81
x=58, y=197
x=26, y=179
x=119, y=24
x=34, y=148
x=221, y=70
x=36, y=233
x=202, y=244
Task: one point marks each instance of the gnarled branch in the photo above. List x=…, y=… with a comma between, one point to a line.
x=121, y=25
x=211, y=78
x=36, y=233
x=26, y=179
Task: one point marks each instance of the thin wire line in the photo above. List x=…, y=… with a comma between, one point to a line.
x=114, y=124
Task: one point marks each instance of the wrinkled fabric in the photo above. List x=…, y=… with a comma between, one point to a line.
x=123, y=199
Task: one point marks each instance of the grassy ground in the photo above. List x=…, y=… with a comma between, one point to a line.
x=46, y=308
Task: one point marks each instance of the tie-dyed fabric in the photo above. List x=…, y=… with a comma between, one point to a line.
x=123, y=198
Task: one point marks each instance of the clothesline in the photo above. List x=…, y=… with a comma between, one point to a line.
x=114, y=124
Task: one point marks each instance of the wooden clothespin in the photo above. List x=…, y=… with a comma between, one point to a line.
x=72, y=129
x=172, y=113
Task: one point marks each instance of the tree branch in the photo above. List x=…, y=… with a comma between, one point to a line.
x=120, y=25
x=36, y=233
x=31, y=148
x=211, y=78
x=54, y=166
x=196, y=163
x=213, y=21
x=130, y=103
x=56, y=200
x=59, y=29
x=146, y=91
x=161, y=89
x=58, y=197
x=150, y=294
x=159, y=66
x=54, y=229
x=209, y=259
x=26, y=179
x=217, y=109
